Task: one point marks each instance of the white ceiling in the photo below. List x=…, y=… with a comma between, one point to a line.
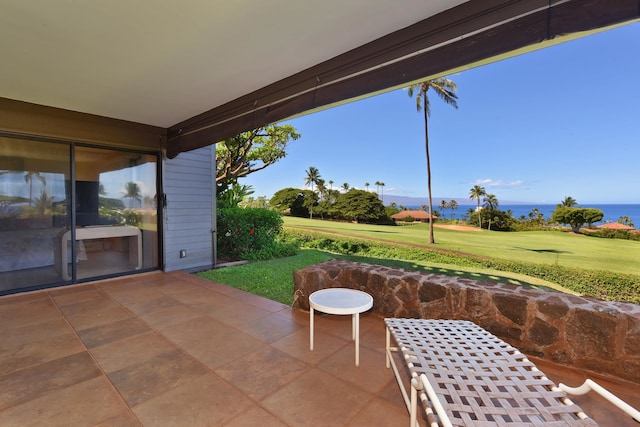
x=160, y=62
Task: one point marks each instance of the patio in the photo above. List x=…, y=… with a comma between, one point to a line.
x=172, y=349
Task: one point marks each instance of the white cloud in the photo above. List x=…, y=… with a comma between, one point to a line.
x=489, y=182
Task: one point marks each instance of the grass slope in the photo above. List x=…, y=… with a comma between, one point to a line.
x=544, y=247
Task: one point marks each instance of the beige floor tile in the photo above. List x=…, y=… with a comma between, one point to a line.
x=255, y=417
x=143, y=381
x=371, y=375
x=27, y=384
x=75, y=294
x=213, y=343
x=297, y=345
x=316, y=399
x=37, y=352
x=263, y=372
x=270, y=328
x=131, y=351
x=205, y=401
x=26, y=312
x=161, y=319
x=84, y=404
x=91, y=319
x=141, y=305
x=22, y=335
x=111, y=332
x=381, y=413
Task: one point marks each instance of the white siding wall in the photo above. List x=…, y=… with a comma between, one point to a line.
x=188, y=184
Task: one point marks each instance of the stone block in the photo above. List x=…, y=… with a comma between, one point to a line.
x=512, y=307
x=542, y=333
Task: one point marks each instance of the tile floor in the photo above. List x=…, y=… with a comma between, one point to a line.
x=170, y=349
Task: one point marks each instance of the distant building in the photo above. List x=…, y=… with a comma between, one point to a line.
x=420, y=216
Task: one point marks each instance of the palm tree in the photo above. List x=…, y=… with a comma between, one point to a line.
x=28, y=179
x=366, y=185
x=443, y=205
x=132, y=191
x=345, y=187
x=568, y=202
x=331, y=184
x=382, y=191
x=453, y=205
x=491, y=202
x=321, y=187
x=313, y=175
x=477, y=192
x=377, y=184
x=446, y=90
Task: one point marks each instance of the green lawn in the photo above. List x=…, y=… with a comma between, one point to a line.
x=547, y=247
x=273, y=279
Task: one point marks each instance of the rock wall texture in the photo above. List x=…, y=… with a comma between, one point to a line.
x=577, y=331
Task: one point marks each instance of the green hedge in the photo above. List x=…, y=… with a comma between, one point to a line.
x=595, y=283
x=250, y=234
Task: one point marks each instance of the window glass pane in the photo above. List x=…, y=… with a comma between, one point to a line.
x=34, y=211
x=115, y=212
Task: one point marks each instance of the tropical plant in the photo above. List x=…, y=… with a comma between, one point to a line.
x=576, y=217
x=360, y=206
x=478, y=192
x=453, y=205
x=625, y=220
x=232, y=196
x=346, y=186
x=446, y=90
x=250, y=152
x=132, y=192
x=44, y=203
x=568, y=202
x=312, y=177
x=28, y=179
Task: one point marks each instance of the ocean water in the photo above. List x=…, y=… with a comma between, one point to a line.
x=611, y=212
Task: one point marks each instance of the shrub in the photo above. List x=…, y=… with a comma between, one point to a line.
x=250, y=234
x=409, y=219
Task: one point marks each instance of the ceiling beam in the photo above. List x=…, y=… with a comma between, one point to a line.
x=474, y=31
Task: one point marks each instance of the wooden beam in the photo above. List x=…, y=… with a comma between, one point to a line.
x=474, y=31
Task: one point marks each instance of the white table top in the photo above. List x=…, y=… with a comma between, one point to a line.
x=340, y=301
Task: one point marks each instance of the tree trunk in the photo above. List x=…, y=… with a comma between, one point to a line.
x=426, y=144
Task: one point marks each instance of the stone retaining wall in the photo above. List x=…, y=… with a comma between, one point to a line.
x=578, y=331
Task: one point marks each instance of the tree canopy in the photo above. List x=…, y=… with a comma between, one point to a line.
x=359, y=205
x=251, y=151
x=294, y=201
x=576, y=217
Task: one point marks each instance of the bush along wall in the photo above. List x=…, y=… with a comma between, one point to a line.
x=250, y=234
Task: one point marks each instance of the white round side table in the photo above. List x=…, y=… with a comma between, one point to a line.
x=340, y=301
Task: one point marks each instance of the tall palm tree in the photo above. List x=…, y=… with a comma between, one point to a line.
x=321, y=187
x=568, y=202
x=331, y=184
x=477, y=192
x=491, y=202
x=444, y=205
x=382, y=184
x=446, y=90
x=28, y=179
x=346, y=187
x=377, y=184
x=313, y=175
x=453, y=205
x=366, y=185
x=132, y=191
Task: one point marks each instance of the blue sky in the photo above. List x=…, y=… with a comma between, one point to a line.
x=562, y=121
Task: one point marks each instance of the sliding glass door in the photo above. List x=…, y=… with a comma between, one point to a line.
x=70, y=213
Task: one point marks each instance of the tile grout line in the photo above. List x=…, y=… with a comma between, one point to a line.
x=103, y=373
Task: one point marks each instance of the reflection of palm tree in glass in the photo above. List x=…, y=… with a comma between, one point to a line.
x=132, y=191
x=44, y=203
x=28, y=178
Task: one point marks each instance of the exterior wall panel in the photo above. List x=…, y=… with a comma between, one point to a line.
x=188, y=185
